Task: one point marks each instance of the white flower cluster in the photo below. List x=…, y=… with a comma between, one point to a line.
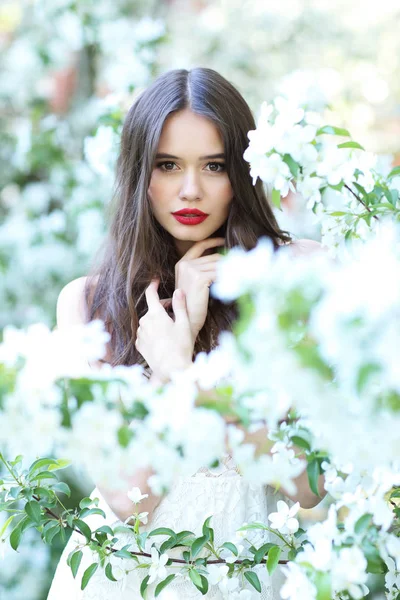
x=353, y=320
x=290, y=150
x=355, y=421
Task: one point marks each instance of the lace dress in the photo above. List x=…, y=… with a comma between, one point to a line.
x=221, y=492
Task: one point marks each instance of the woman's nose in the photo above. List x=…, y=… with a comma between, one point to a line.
x=191, y=188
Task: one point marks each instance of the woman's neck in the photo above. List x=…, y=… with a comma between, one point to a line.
x=183, y=246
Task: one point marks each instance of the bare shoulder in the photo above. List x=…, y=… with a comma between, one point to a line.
x=71, y=303
x=304, y=246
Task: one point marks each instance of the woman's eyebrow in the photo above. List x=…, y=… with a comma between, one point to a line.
x=165, y=155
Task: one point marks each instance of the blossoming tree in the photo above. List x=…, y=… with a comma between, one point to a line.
x=332, y=322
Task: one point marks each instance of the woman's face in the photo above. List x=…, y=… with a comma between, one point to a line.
x=189, y=173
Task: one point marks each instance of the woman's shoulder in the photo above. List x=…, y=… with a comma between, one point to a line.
x=305, y=246
x=72, y=306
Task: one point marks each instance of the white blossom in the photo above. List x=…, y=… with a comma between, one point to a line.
x=297, y=585
x=157, y=569
x=136, y=495
x=283, y=520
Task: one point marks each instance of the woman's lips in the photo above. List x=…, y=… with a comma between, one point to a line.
x=190, y=220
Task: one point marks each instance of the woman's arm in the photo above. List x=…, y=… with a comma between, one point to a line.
x=72, y=310
x=259, y=438
x=263, y=445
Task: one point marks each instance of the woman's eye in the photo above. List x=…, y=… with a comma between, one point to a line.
x=218, y=167
x=221, y=165
x=160, y=165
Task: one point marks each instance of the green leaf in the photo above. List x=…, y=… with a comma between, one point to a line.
x=276, y=198
x=206, y=524
x=163, y=584
x=331, y=130
x=109, y=573
x=105, y=529
x=61, y=487
x=75, y=562
x=85, y=502
x=375, y=563
x=182, y=535
x=6, y=524
x=394, y=172
x=167, y=544
x=253, y=579
x=141, y=540
x=33, y=511
x=299, y=533
x=195, y=577
x=88, y=574
x=393, y=197
x=16, y=534
x=125, y=434
x=364, y=374
x=253, y=526
x=46, y=496
x=198, y=545
x=123, y=554
x=323, y=585
x=45, y=475
x=15, y=538
x=363, y=523
x=61, y=463
x=361, y=189
x=261, y=552
x=231, y=547
x=292, y=554
x=162, y=531
x=204, y=585
x=84, y=528
x=292, y=164
x=50, y=533
x=313, y=473
x=40, y=463
x=338, y=187
x=273, y=559
x=351, y=145
x=92, y=511
x=338, y=213
x=143, y=585
x=300, y=442
x=16, y=460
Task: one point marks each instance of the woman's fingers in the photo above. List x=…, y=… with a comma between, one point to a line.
x=152, y=298
x=211, y=258
x=180, y=309
x=166, y=302
x=207, y=269
x=199, y=247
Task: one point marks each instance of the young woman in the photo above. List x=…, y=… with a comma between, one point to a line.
x=184, y=191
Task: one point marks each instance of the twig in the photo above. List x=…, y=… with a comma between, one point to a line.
x=360, y=200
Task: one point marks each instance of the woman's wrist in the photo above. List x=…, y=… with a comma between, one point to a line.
x=162, y=376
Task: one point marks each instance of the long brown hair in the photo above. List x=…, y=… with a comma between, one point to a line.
x=137, y=247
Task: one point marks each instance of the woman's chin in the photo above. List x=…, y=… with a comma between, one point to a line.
x=196, y=233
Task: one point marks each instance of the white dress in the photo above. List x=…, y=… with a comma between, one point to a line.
x=221, y=492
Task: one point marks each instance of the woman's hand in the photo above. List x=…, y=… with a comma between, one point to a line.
x=194, y=274
x=165, y=344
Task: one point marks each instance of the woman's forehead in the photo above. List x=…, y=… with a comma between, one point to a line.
x=186, y=132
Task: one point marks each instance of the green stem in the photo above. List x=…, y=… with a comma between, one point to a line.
x=64, y=508
x=279, y=536
x=9, y=469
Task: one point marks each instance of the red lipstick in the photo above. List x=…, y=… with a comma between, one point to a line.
x=190, y=216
